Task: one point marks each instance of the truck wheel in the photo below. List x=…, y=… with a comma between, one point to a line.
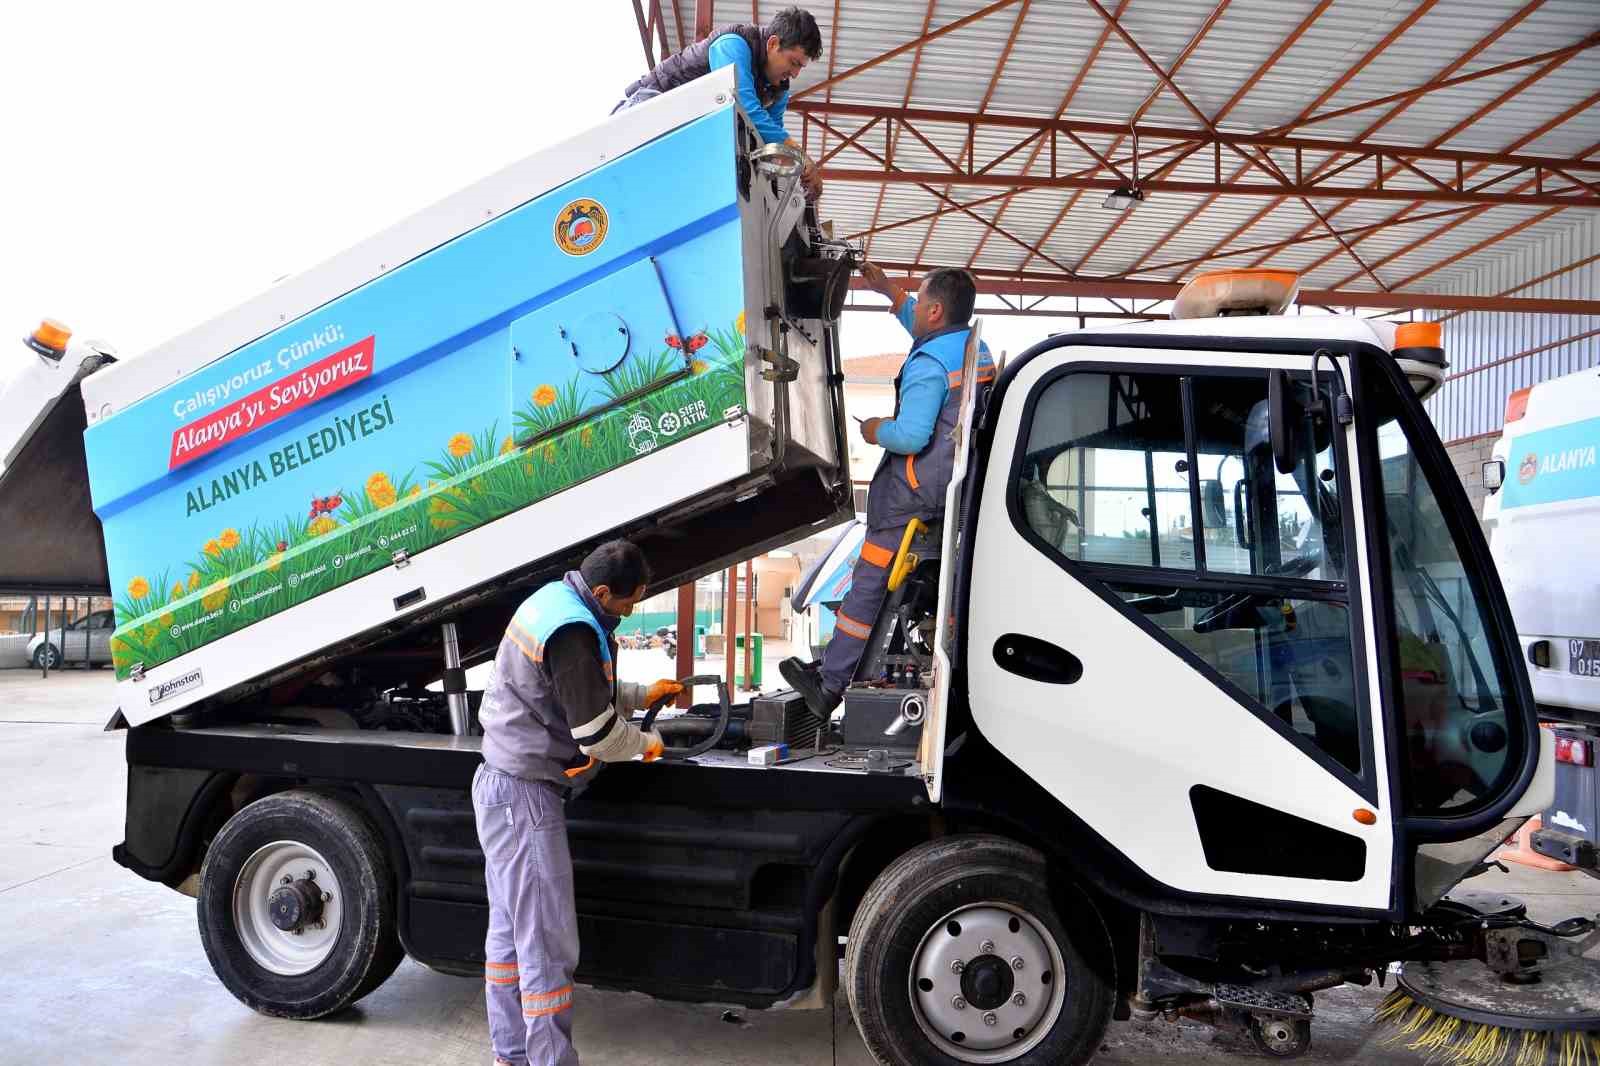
x=958, y=955
x=297, y=905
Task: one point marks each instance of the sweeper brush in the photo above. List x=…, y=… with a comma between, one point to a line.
x=1447, y=1040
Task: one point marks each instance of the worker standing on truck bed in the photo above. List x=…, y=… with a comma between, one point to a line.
x=548, y=716
x=919, y=451
x=783, y=46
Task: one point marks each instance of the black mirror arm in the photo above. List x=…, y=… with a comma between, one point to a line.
x=1343, y=409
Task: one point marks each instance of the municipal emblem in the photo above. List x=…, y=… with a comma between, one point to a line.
x=1529, y=468
x=581, y=227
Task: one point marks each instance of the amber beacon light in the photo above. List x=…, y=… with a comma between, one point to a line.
x=50, y=339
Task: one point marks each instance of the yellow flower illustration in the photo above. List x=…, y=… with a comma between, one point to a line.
x=213, y=549
x=544, y=396
x=460, y=445
x=138, y=588
x=194, y=580
x=274, y=560
x=320, y=525
x=549, y=454
x=380, y=490
x=177, y=590
x=149, y=632
x=416, y=490
x=216, y=595
x=699, y=366
x=738, y=323
x=586, y=438
x=229, y=539
x=121, y=654
x=507, y=446
x=166, y=620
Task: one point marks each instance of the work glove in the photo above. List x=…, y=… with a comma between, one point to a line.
x=653, y=746
x=661, y=690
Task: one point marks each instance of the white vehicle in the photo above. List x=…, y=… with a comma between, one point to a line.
x=1171, y=715
x=84, y=641
x=1543, y=514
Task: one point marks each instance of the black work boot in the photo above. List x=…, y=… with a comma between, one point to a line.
x=806, y=679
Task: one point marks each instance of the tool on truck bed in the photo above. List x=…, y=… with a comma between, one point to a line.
x=1203, y=698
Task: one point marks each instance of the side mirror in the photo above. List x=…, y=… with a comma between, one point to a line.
x=1283, y=418
x=1494, y=474
x=1212, y=502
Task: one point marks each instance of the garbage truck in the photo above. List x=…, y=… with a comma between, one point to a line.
x=1543, y=495
x=1200, y=697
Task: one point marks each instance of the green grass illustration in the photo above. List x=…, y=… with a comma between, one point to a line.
x=243, y=575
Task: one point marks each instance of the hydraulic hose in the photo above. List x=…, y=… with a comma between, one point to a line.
x=725, y=711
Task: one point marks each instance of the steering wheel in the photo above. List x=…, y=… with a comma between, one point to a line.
x=1222, y=614
x=725, y=711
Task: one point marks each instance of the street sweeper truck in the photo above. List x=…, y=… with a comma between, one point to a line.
x=1198, y=697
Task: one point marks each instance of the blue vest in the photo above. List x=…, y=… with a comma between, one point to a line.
x=556, y=605
x=914, y=486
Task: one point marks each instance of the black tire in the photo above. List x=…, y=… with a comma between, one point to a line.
x=1281, y=1038
x=365, y=948
x=42, y=652
x=911, y=899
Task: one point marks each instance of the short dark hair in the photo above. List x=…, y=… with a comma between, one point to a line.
x=955, y=289
x=795, y=26
x=619, y=565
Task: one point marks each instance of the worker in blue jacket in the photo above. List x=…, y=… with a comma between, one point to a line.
x=764, y=60
x=919, y=450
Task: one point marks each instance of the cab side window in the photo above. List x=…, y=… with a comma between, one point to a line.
x=1161, y=488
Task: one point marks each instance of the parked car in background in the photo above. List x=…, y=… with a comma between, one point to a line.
x=86, y=640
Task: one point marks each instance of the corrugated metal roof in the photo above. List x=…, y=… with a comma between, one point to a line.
x=1055, y=42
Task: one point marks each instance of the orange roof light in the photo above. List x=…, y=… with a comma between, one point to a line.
x=1221, y=293
x=50, y=338
x=1517, y=404
x=1419, y=335
x=1366, y=817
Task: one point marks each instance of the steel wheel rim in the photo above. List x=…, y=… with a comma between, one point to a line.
x=1041, y=980
x=275, y=950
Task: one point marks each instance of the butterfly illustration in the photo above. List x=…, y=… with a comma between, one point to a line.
x=696, y=342
x=673, y=341
x=326, y=505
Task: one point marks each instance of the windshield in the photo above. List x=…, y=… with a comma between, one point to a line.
x=1460, y=744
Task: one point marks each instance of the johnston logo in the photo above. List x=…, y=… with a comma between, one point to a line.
x=176, y=686
x=581, y=227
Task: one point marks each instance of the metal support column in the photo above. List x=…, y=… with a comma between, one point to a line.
x=730, y=625
x=455, y=682
x=686, y=640
x=749, y=620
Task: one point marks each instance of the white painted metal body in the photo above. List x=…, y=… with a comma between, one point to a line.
x=1548, y=553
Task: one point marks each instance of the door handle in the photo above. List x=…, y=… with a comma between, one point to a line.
x=1037, y=660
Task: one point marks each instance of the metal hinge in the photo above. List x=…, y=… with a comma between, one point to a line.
x=782, y=369
x=136, y=672
x=401, y=559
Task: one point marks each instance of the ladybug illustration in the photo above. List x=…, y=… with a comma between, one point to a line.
x=283, y=545
x=326, y=505
x=696, y=342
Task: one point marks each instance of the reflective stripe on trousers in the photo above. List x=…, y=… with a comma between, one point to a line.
x=532, y=945
x=853, y=623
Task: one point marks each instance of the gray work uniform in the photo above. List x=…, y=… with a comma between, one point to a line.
x=547, y=715
x=904, y=487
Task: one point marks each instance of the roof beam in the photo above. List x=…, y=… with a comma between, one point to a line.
x=1531, y=282
x=894, y=136
x=1429, y=152
x=644, y=35
x=1591, y=41
x=898, y=50
x=1325, y=170
x=1112, y=289
x=1568, y=196
x=1066, y=100
x=705, y=17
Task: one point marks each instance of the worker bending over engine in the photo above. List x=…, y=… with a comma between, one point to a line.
x=552, y=710
x=919, y=450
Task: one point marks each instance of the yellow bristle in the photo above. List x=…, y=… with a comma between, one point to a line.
x=1535, y=1049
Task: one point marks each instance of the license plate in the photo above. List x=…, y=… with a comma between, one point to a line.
x=1583, y=657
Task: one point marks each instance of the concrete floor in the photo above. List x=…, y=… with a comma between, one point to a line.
x=103, y=967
